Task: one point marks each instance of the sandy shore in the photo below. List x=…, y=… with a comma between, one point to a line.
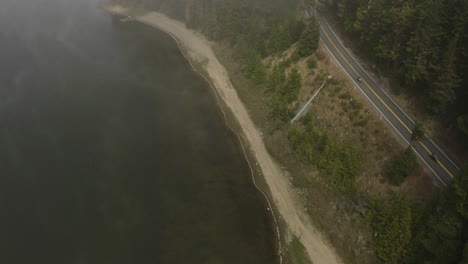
x=198, y=49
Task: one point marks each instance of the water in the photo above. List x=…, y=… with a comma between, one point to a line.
x=112, y=150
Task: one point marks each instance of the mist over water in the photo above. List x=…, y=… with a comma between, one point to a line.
x=112, y=150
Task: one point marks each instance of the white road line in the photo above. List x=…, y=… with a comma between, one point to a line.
x=443, y=153
x=383, y=90
x=370, y=77
x=428, y=166
x=399, y=133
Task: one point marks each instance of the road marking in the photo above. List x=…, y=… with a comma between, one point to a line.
x=446, y=170
x=419, y=155
x=354, y=70
x=443, y=153
x=365, y=82
x=390, y=123
x=381, y=100
x=388, y=96
x=440, y=163
x=359, y=65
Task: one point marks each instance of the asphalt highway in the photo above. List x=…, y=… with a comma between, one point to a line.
x=443, y=168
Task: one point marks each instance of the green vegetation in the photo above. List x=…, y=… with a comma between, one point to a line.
x=254, y=69
x=308, y=43
x=254, y=30
x=435, y=233
x=424, y=43
x=284, y=35
x=309, y=143
x=418, y=132
x=283, y=91
x=440, y=232
x=293, y=84
x=296, y=253
x=341, y=162
x=337, y=161
x=400, y=166
x=268, y=26
x=392, y=227
x=351, y=106
x=311, y=63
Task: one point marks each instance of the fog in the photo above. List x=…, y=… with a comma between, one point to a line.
x=112, y=150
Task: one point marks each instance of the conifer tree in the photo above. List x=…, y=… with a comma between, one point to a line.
x=308, y=43
x=443, y=89
x=254, y=68
x=293, y=84
x=393, y=226
x=280, y=39
x=275, y=79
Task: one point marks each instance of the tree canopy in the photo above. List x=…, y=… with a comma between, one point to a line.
x=308, y=43
x=423, y=42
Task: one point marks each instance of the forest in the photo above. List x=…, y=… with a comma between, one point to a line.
x=435, y=233
x=423, y=43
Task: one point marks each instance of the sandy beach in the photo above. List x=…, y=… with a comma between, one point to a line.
x=198, y=50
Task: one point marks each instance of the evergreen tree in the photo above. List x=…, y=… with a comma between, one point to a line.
x=296, y=28
x=443, y=89
x=462, y=122
x=280, y=39
x=276, y=80
x=400, y=166
x=254, y=68
x=308, y=43
x=418, y=132
x=393, y=228
x=292, y=86
x=279, y=109
x=461, y=191
x=439, y=231
x=423, y=43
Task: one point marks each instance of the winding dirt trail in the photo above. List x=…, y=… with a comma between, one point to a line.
x=199, y=50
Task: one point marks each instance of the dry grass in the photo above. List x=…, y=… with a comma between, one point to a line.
x=342, y=111
x=339, y=217
x=446, y=137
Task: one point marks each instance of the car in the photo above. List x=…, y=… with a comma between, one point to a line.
x=434, y=157
x=359, y=79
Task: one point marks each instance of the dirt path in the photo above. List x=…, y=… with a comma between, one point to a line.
x=199, y=49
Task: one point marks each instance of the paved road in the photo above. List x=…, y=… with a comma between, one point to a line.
x=401, y=123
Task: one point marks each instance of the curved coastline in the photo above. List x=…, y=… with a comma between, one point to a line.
x=220, y=105
x=271, y=206
x=281, y=199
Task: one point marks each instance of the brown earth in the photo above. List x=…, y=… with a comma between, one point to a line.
x=199, y=50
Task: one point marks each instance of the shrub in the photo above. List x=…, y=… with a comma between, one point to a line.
x=392, y=226
x=353, y=115
x=341, y=163
x=345, y=96
x=356, y=105
x=295, y=57
x=336, y=90
x=311, y=63
x=285, y=63
x=400, y=166
x=361, y=122
x=333, y=81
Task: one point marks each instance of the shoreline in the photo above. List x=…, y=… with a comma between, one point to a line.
x=196, y=49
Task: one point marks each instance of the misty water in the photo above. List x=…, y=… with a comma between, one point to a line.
x=112, y=150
